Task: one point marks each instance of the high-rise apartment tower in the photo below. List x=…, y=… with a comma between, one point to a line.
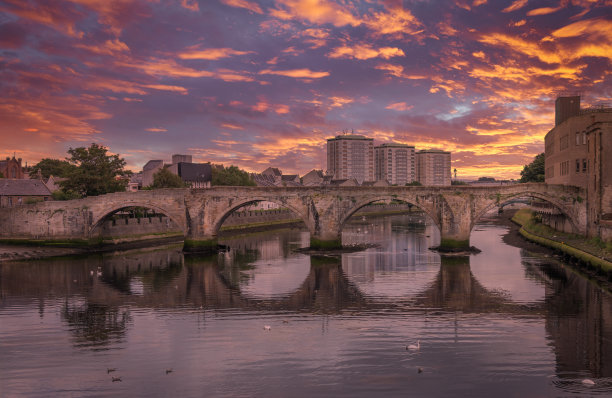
x=395, y=163
x=351, y=156
x=433, y=167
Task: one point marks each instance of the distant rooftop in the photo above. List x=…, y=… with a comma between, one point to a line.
x=350, y=137
x=23, y=187
x=394, y=145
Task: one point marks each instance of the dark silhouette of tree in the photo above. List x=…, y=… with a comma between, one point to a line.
x=534, y=171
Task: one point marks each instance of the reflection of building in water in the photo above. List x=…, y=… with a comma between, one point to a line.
x=579, y=323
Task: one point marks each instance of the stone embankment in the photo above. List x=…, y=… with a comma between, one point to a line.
x=591, y=253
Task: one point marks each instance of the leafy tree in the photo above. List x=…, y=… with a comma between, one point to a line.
x=534, y=171
x=95, y=172
x=48, y=167
x=414, y=183
x=61, y=195
x=1, y=175
x=458, y=182
x=165, y=179
x=232, y=176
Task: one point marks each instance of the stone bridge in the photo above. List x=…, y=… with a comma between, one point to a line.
x=199, y=213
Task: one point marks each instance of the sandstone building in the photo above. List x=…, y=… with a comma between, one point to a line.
x=578, y=151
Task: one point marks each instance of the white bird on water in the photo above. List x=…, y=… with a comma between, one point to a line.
x=588, y=382
x=414, y=347
x=267, y=327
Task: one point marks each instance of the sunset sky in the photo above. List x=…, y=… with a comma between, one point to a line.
x=258, y=83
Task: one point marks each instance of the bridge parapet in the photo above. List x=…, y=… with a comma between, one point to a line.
x=201, y=212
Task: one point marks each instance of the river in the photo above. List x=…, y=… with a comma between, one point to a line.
x=262, y=320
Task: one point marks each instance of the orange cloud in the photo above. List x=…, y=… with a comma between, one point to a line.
x=315, y=11
x=398, y=71
x=249, y=5
x=48, y=15
x=395, y=21
x=339, y=102
x=109, y=47
x=158, y=67
x=232, y=126
x=165, y=87
x=281, y=109
x=156, y=129
x=303, y=73
x=516, y=5
x=210, y=53
x=399, y=106
x=365, y=51
x=190, y=5
x=517, y=44
x=543, y=11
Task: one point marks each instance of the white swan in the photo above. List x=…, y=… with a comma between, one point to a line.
x=414, y=347
x=267, y=327
x=588, y=382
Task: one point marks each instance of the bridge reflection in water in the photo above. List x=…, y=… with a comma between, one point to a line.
x=261, y=278
x=97, y=309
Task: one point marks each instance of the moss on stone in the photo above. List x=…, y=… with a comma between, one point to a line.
x=320, y=244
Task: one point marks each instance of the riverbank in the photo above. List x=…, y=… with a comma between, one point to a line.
x=588, y=254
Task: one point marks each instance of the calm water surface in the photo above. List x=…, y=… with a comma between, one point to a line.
x=502, y=323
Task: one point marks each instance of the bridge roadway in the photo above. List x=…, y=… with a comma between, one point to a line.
x=199, y=213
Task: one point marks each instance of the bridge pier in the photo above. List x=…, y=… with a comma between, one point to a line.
x=201, y=244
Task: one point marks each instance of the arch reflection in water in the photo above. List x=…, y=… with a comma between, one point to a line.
x=401, y=265
x=481, y=331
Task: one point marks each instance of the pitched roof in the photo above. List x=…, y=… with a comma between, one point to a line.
x=289, y=177
x=19, y=187
x=272, y=171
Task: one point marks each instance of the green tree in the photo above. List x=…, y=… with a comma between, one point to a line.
x=232, y=176
x=414, y=183
x=534, y=171
x=1, y=175
x=55, y=167
x=165, y=179
x=96, y=173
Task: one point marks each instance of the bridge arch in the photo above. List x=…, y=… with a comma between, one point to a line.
x=527, y=193
x=386, y=197
x=99, y=218
x=225, y=213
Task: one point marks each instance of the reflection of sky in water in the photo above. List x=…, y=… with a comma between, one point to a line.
x=496, y=268
x=187, y=319
x=274, y=278
x=401, y=265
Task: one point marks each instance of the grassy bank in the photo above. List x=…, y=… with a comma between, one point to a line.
x=591, y=252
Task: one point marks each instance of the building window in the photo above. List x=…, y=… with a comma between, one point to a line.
x=577, y=138
x=563, y=143
x=577, y=165
x=584, y=165
x=584, y=139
